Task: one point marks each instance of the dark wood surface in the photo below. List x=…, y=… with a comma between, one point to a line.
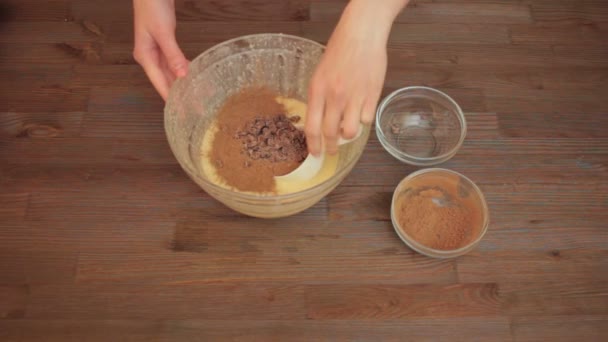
x=103, y=237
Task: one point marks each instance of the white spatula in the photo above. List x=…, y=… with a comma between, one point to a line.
x=311, y=166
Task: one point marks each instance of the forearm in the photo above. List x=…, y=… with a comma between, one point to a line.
x=382, y=13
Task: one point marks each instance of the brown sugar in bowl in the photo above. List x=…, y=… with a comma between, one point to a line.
x=439, y=213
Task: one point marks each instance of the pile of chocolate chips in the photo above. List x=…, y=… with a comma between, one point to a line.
x=274, y=138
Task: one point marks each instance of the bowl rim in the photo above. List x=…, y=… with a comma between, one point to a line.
x=250, y=196
x=420, y=161
x=428, y=251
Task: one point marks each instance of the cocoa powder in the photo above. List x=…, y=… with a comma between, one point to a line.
x=438, y=217
x=249, y=166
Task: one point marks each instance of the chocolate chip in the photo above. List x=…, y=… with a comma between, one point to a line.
x=273, y=138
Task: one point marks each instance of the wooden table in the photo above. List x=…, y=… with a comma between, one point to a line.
x=103, y=237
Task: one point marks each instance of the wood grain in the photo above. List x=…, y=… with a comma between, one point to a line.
x=13, y=301
x=443, y=12
x=36, y=10
x=202, y=10
x=394, y=302
x=40, y=125
x=564, y=328
x=554, y=265
x=47, y=98
x=29, y=267
x=104, y=237
x=13, y=205
x=555, y=298
x=259, y=330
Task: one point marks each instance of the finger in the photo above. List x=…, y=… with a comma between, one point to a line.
x=314, y=119
x=156, y=75
x=352, y=118
x=164, y=66
x=369, y=107
x=331, y=125
x=177, y=62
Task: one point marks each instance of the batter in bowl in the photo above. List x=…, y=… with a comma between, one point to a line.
x=272, y=124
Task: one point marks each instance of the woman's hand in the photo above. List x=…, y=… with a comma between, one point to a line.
x=348, y=81
x=156, y=49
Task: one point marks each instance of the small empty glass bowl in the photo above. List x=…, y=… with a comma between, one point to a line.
x=448, y=191
x=420, y=126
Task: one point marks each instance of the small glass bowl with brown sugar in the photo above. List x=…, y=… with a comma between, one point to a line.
x=439, y=213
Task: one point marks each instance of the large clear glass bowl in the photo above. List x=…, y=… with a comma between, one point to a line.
x=281, y=62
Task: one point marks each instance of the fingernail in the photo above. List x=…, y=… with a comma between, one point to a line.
x=181, y=73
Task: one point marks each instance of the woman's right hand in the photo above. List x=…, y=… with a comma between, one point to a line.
x=156, y=48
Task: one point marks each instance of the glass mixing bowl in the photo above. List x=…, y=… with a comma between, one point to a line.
x=420, y=126
x=280, y=62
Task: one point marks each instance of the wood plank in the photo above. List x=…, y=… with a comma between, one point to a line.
x=581, y=54
x=13, y=301
x=24, y=267
x=539, y=235
x=281, y=301
x=24, y=75
x=45, y=32
x=189, y=301
x=36, y=10
x=472, y=54
x=202, y=10
x=584, y=11
x=201, y=31
x=499, y=80
x=278, y=250
x=105, y=76
x=398, y=302
x=64, y=53
x=564, y=328
x=67, y=150
x=40, y=125
x=122, y=53
x=120, y=125
x=536, y=202
x=13, y=206
x=101, y=236
x=568, y=297
x=126, y=100
x=559, y=33
x=77, y=151
x=274, y=10
x=382, y=170
x=424, y=33
x=95, y=204
x=556, y=265
x=553, y=125
x=552, y=146
x=434, y=12
x=43, y=179
x=545, y=101
x=51, y=98
x=134, y=112
x=465, y=329
x=177, y=269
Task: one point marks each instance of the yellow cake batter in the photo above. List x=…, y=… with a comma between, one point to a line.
x=292, y=107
